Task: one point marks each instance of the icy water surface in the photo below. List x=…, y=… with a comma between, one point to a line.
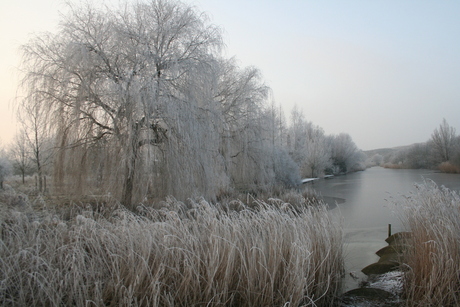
x=365, y=206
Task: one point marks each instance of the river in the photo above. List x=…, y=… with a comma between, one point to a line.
x=364, y=205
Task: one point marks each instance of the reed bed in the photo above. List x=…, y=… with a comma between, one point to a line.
x=432, y=275
x=448, y=167
x=195, y=255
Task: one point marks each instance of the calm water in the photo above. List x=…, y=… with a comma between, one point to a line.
x=365, y=207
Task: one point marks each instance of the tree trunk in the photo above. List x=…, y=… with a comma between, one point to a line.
x=40, y=182
x=130, y=170
x=127, y=196
x=39, y=174
x=37, y=152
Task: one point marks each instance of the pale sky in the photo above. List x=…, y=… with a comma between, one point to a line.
x=385, y=71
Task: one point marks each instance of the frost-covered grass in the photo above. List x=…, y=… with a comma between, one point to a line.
x=432, y=278
x=195, y=255
x=297, y=198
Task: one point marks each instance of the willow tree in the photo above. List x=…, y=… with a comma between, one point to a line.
x=241, y=96
x=109, y=78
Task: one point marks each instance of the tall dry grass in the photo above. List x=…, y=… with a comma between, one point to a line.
x=394, y=166
x=195, y=255
x=448, y=167
x=432, y=214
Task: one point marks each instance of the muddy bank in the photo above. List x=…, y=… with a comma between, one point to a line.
x=383, y=283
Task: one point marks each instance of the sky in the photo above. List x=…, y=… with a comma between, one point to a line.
x=384, y=71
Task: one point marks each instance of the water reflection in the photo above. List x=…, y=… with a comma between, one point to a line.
x=365, y=206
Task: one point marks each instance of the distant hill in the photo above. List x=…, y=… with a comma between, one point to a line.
x=387, y=151
x=381, y=151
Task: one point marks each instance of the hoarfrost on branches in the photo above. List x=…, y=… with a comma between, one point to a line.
x=140, y=103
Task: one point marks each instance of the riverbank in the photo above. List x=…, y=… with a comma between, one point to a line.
x=375, y=198
x=383, y=285
x=180, y=254
x=210, y=246
x=423, y=263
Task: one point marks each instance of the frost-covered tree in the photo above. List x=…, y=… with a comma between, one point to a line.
x=287, y=172
x=142, y=103
x=276, y=124
x=317, y=153
x=444, y=142
x=245, y=136
x=344, y=153
x=34, y=142
x=318, y=156
x=5, y=166
x=5, y=170
x=377, y=159
x=308, y=145
x=419, y=156
x=118, y=82
x=298, y=135
x=20, y=155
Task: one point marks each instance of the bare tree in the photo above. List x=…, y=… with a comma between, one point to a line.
x=20, y=155
x=34, y=119
x=444, y=141
x=298, y=135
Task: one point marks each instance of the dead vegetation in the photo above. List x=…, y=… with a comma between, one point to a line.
x=432, y=214
x=190, y=253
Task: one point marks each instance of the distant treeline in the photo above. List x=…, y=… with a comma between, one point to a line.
x=441, y=152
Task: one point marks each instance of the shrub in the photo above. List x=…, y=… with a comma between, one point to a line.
x=394, y=166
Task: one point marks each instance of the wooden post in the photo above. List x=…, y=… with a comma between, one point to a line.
x=389, y=230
